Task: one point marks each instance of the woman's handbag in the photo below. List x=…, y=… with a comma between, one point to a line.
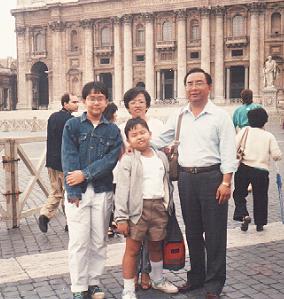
x=174, y=248
x=173, y=157
x=241, y=148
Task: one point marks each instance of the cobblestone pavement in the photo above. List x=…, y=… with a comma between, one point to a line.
x=254, y=269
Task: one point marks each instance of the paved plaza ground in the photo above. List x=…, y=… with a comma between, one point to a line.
x=34, y=265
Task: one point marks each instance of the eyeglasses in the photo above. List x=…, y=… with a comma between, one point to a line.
x=197, y=84
x=98, y=99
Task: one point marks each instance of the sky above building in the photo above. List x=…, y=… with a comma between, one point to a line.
x=7, y=31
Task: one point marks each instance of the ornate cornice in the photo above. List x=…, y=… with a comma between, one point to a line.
x=219, y=10
x=57, y=25
x=256, y=8
x=116, y=20
x=204, y=11
x=127, y=19
x=148, y=17
x=20, y=30
x=87, y=23
x=181, y=14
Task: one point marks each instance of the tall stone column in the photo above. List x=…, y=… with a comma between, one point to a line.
x=158, y=84
x=219, y=56
x=149, y=56
x=117, y=98
x=181, y=53
x=205, y=39
x=22, y=85
x=88, y=48
x=228, y=85
x=127, y=53
x=58, y=75
x=254, y=50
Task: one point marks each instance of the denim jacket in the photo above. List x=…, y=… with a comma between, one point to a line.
x=94, y=150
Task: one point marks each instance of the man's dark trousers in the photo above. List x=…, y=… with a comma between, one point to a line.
x=203, y=214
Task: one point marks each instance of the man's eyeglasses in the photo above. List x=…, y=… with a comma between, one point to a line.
x=197, y=84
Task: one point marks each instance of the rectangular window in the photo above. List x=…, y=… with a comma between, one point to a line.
x=237, y=53
x=140, y=58
x=104, y=61
x=194, y=55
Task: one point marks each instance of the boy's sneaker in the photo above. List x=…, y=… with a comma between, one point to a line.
x=165, y=286
x=80, y=295
x=128, y=295
x=95, y=292
x=245, y=224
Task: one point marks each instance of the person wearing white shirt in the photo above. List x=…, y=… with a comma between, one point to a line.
x=260, y=146
x=207, y=160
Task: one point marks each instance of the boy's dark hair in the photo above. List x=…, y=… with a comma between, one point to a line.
x=65, y=99
x=97, y=86
x=246, y=96
x=257, y=118
x=134, y=92
x=108, y=113
x=133, y=122
x=198, y=70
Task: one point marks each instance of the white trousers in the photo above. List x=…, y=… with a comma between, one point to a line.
x=88, y=226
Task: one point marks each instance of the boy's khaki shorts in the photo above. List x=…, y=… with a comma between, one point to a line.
x=152, y=223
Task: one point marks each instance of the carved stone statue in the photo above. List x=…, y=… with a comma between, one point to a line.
x=270, y=71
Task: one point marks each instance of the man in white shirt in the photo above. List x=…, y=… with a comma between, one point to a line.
x=207, y=160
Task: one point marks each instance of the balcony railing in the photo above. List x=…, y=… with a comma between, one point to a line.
x=237, y=41
x=166, y=45
x=104, y=51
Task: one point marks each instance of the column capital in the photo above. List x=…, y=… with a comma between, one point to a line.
x=127, y=19
x=116, y=20
x=87, y=23
x=219, y=11
x=204, y=11
x=56, y=26
x=148, y=17
x=256, y=8
x=20, y=30
x=180, y=14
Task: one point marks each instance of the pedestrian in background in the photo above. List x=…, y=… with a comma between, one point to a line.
x=259, y=148
x=91, y=146
x=240, y=118
x=55, y=126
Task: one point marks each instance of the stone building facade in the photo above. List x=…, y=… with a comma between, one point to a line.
x=64, y=44
x=8, y=83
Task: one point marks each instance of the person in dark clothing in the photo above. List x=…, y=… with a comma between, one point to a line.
x=55, y=126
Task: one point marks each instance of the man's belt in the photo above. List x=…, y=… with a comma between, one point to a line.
x=195, y=170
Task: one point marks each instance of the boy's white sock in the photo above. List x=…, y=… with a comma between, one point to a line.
x=157, y=270
x=129, y=284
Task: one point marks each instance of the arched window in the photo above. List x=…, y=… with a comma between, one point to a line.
x=39, y=44
x=140, y=36
x=74, y=43
x=238, y=26
x=105, y=37
x=167, y=31
x=276, y=23
x=194, y=30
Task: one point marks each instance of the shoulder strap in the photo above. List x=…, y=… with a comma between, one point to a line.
x=244, y=139
x=176, y=142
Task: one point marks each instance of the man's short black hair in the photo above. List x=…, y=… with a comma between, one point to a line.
x=65, y=99
x=133, y=122
x=134, y=92
x=257, y=118
x=96, y=86
x=108, y=113
x=198, y=70
x=246, y=96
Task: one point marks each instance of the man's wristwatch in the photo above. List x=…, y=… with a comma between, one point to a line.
x=226, y=184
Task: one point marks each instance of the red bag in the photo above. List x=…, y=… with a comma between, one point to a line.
x=174, y=248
